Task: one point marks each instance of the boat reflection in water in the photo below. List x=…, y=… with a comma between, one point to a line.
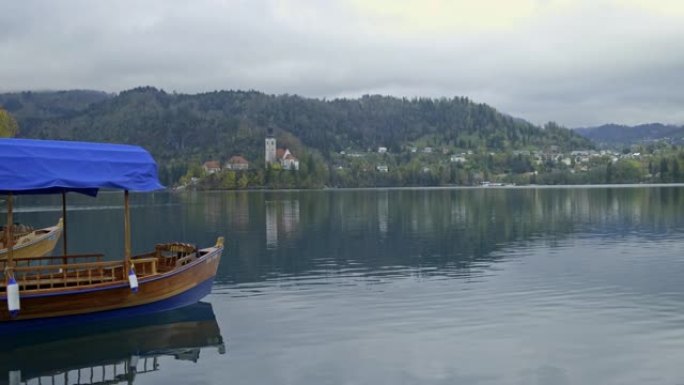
x=110, y=352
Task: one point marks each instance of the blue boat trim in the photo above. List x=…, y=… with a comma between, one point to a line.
x=198, y=312
x=185, y=298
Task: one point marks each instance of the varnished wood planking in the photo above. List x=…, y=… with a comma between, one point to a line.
x=116, y=295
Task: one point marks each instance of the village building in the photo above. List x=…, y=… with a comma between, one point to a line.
x=458, y=158
x=237, y=163
x=287, y=160
x=211, y=166
x=270, y=156
x=279, y=155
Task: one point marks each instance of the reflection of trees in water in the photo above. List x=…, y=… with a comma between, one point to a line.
x=365, y=230
x=361, y=229
x=369, y=230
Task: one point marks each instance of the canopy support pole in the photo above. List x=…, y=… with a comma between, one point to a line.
x=64, y=227
x=9, y=233
x=127, y=233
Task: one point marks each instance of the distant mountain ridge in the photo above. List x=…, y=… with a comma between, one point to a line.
x=615, y=135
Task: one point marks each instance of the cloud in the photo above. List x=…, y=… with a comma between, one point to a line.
x=575, y=62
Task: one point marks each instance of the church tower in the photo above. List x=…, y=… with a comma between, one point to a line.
x=270, y=155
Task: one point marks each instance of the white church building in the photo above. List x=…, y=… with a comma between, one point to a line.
x=278, y=155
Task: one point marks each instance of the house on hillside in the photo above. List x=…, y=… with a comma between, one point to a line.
x=237, y=163
x=458, y=158
x=211, y=166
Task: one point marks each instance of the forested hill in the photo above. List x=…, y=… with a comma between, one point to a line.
x=182, y=128
x=29, y=106
x=618, y=136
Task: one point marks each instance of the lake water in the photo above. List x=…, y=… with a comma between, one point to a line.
x=429, y=286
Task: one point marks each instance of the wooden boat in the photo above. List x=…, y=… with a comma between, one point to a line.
x=39, y=291
x=29, y=242
x=111, y=351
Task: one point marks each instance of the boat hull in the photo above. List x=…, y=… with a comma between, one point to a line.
x=180, y=287
x=40, y=245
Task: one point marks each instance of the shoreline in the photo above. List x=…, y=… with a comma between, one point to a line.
x=489, y=187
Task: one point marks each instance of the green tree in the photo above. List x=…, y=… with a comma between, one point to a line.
x=609, y=172
x=675, y=170
x=8, y=125
x=243, y=181
x=627, y=171
x=664, y=171
x=228, y=180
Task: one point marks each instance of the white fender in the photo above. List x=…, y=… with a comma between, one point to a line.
x=133, y=280
x=13, y=302
x=14, y=377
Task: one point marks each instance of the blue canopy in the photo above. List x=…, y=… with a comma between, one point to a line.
x=30, y=166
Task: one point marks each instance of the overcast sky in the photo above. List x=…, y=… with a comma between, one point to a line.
x=576, y=62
